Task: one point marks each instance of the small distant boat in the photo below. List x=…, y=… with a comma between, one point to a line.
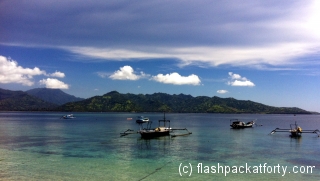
x=295, y=130
x=68, y=116
x=142, y=119
x=236, y=124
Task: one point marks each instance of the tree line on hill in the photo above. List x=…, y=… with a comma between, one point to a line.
x=43, y=99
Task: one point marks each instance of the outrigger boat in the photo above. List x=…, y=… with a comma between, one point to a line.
x=295, y=130
x=157, y=132
x=149, y=132
x=236, y=124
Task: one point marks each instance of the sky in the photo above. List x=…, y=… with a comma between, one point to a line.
x=263, y=51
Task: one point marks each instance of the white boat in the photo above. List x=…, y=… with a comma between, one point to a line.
x=68, y=116
x=142, y=119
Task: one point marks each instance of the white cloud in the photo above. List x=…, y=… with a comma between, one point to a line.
x=57, y=74
x=276, y=54
x=252, y=33
x=126, y=73
x=53, y=83
x=237, y=80
x=115, y=53
x=258, y=34
x=222, y=91
x=11, y=72
x=242, y=83
x=234, y=76
x=176, y=79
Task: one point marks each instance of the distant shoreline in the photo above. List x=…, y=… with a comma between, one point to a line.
x=312, y=113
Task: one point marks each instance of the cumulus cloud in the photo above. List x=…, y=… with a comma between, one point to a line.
x=242, y=83
x=11, y=72
x=222, y=91
x=127, y=73
x=237, y=80
x=177, y=79
x=234, y=76
x=53, y=83
x=57, y=74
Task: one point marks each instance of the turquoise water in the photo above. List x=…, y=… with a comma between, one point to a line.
x=40, y=146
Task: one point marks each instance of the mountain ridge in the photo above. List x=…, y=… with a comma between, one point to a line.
x=21, y=101
x=181, y=103
x=55, y=96
x=117, y=102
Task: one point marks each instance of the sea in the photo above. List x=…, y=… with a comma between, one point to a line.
x=42, y=146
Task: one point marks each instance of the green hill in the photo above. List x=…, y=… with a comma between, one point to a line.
x=158, y=102
x=55, y=96
x=21, y=101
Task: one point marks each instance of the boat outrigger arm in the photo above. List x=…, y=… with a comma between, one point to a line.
x=149, y=132
x=292, y=131
x=184, y=134
x=130, y=131
x=127, y=132
x=295, y=130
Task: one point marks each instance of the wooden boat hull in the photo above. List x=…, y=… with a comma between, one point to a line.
x=145, y=134
x=296, y=132
x=240, y=127
x=151, y=133
x=236, y=124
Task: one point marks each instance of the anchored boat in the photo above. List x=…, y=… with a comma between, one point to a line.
x=142, y=119
x=295, y=130
x=161, y=130
x=69, y=116
x=236, y=124
x=157, y=132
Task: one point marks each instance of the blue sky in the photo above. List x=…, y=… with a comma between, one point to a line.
x=263, y=51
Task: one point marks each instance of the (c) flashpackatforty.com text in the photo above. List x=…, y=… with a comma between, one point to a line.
x=247, y=169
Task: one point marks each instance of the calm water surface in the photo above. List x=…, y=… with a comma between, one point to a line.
x=41, y=146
